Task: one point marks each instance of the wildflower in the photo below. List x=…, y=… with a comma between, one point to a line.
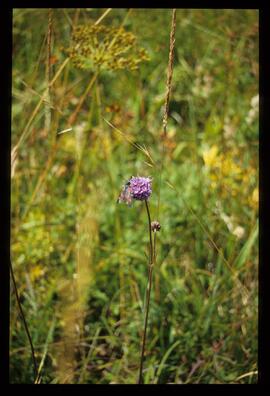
x=155, y=226
x=210, y=156
x=140, y=188
x=106, y=48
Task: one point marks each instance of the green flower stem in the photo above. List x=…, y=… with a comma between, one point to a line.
x=24, y=320
x=149, y=286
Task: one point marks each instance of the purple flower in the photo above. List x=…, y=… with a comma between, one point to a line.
x=140, y=187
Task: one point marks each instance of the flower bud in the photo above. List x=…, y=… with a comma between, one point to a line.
x=155, y=226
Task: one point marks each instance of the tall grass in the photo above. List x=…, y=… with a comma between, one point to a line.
x=78, y=258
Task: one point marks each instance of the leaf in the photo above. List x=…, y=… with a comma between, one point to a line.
x=163, y=360
x=245, y=251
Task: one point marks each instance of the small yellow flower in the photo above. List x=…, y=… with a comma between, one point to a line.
x=229, y=168
x=36, y=272
x=255, y=195
x=210, y=156
x=254, y=199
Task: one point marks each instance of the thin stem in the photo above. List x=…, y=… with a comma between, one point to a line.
x=48, y=115
x=24, y=320
x=169, y=72
x=74, y=115
x=149, y=286
x=103, y=16
x=167, y=100
x=154, y=249
x=25, y=132
x=150, y=233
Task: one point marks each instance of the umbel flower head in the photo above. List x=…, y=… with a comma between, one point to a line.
x=106, y=48
x=140, y=187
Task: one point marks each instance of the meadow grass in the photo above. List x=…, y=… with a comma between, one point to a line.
x=79, y=259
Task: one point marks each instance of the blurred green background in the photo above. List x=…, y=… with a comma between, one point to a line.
x=79, y=258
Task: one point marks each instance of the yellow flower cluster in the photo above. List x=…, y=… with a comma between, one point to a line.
x=227, y=172
x=108, y=48
x=221, y=165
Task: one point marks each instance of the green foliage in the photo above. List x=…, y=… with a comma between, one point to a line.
x=79, y=258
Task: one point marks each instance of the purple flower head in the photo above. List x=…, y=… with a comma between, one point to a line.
x=140, y=187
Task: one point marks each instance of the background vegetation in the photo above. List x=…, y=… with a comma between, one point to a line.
x=80, y=259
